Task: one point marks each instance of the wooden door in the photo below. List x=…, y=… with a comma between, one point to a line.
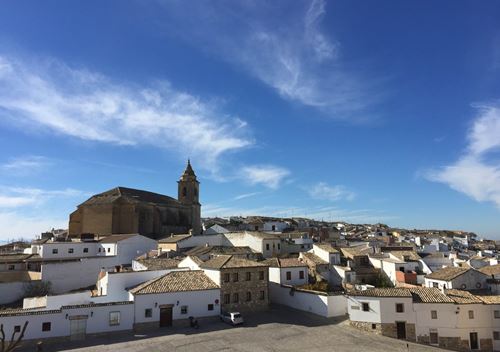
x=78, y=329
x=474, y=345
x=401, y=330
x=165, y=316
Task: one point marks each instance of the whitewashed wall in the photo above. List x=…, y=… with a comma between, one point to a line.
x=196, y=301
x=278, y=275
x=11, y=291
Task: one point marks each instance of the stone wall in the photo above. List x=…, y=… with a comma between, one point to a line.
x=242, y=286
x=370, y=327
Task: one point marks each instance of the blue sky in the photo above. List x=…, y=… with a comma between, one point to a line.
x=366, y=112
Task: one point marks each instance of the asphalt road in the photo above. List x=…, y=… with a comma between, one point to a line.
x=280, y=329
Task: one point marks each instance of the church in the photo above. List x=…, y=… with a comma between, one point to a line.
x=124, y=210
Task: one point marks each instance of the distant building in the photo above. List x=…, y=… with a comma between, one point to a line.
x=127, y=210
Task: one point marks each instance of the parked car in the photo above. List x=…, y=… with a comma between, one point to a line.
x=233, y=318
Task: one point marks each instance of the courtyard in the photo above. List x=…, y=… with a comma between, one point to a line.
x=279, y=329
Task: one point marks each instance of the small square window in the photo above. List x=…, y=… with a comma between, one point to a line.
x=55, y=250
x=497, y=314
x=262, y=295
x=261, y=275
x=226, y=277
x=434, y=314
x=70, y=250
x=471, y=314
x=288, y=275
x=114, y=318
x=236, y=298
x=12, y=267
x=248, y=276
x=210, y=307
x=249, y=296
x=435, y=285
x=374, y=326
x=235, y=277
x=46, y=326
x=184, y=309
x=496, y=335
x=366, y=307
x=17, y=328
x=85, y=250
x=400, y=308
x=148, y=313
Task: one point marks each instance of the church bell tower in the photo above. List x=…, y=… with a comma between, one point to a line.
x=188, y=194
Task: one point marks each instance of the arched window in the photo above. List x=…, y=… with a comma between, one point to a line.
x=184, y=191
x=195, y=192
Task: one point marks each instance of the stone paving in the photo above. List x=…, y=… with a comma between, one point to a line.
x=280, y=329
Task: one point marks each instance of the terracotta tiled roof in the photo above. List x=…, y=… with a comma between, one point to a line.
x=285, y=262
x=176, y=281
x=159, y=263
x=384, y=292
x=489, y=299
x=462, y=297
x=131, y=195
x=326, y=247
x=411, y=255
x=491, y=270
x=314, y=258
x=448, y=273
x=230, y=261
x=418, y=294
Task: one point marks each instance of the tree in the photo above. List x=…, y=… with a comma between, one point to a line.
x=13, y=343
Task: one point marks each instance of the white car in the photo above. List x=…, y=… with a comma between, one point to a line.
x=233, y=318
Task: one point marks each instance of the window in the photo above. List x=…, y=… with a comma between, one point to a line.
x=261, y=275
x=301, y=274
x=99, y=250
x=109, y=249
x=496, y=335
x=114, y=318
x=471, y=314
x=148, y=313
x=236, y=297
x=227, y=298
x=184, y=309
x=54, y=250
x=497, y=314
x=279, y=247
x=267, y=246
x=374, y=326
x=248, y=276
x=288, y=275
x=434, y=314
x=463, y=286
x=226, y=277
x=46, y=326
x=12, y=266
x=85, y=250
x=400, y=307
x=235, y=277
x=433, y=338
x=256, y=228
x=70, y=250
x=17, y=328
x=262, y=295
x=210, y=307
x=435, y=285
x=366, y=307
x=249, y=296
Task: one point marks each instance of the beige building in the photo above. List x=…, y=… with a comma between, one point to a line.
x=127, y=210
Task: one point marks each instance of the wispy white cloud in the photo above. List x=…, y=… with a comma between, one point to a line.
x=17, y=197
x=89, y=106
x=327, y=213
x=246, y=195
x=267, y=175
x=25, y=164
x=477, y=172
x=324, y=191
x=293, y=56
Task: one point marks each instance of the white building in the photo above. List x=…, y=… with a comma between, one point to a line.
x=288, y=271
x=457, y=277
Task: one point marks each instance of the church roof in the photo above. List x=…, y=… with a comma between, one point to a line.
x=131, y=195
